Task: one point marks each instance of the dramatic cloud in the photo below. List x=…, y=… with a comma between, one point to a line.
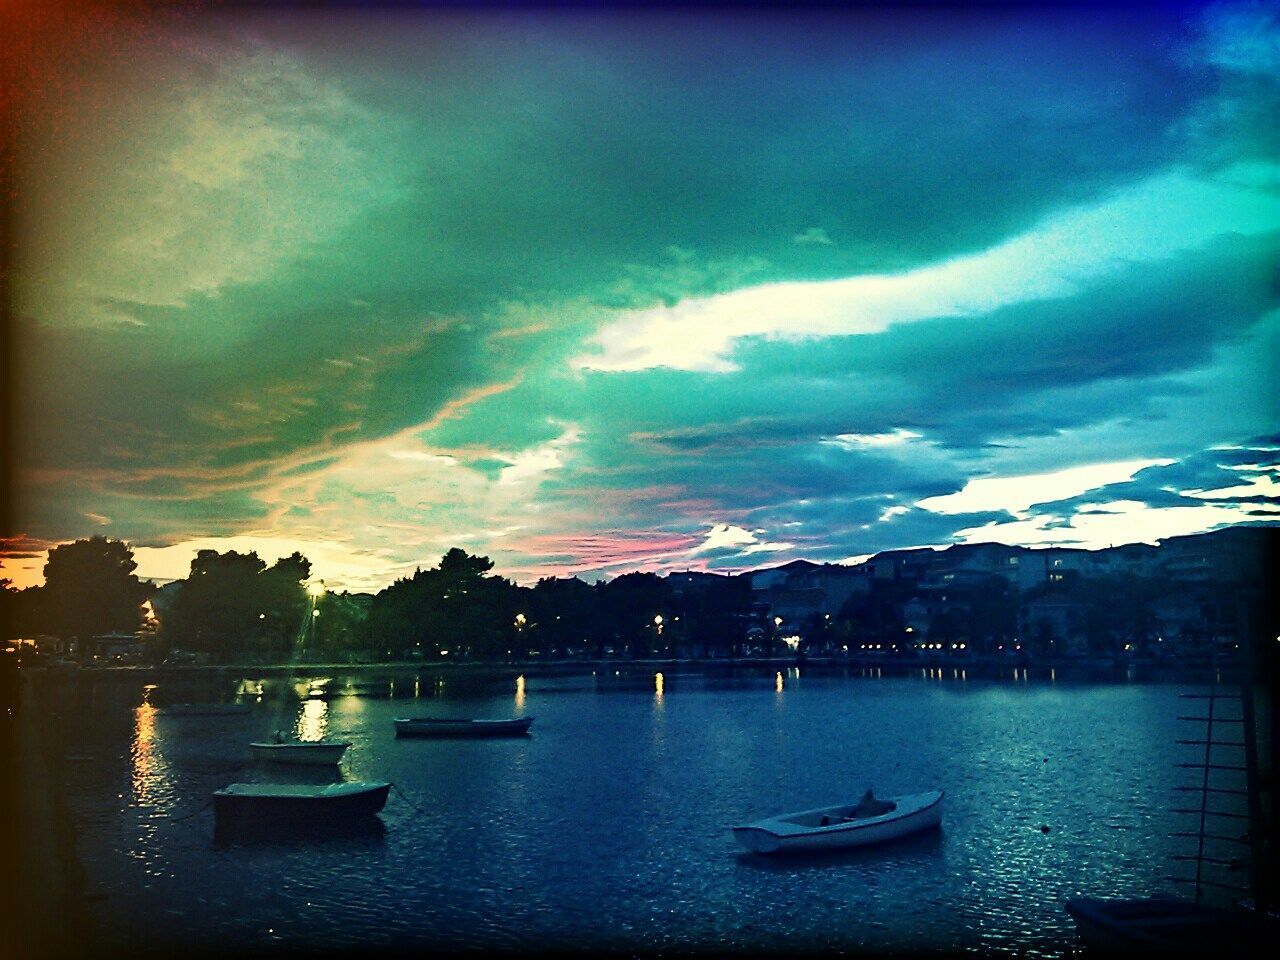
x=1152, y=221
x=594, y=292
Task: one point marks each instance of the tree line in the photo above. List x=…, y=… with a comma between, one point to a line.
x=233, y=607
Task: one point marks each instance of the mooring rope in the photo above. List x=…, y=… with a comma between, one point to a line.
x=193, y=813
x=400, y=794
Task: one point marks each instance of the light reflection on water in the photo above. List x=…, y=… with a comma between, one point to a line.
x=147, y=768
x=583, y=834
x=313, y=719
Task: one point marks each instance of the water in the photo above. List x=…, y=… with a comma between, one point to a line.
x=608, y=826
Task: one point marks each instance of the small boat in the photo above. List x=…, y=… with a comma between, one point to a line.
x=433, y=727
x=205, y=709
x=252, y=804
x=830, y=828
x=1164, y=925
x=309, y=753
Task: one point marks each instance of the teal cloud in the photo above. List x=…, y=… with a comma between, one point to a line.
x=405, y=229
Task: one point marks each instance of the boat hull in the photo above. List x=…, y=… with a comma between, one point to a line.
x=778, y=836
x=462, y=729
x=1164, y=926
x=299, y=754
x=233, y=810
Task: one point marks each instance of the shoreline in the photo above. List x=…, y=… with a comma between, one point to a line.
x=580, y=665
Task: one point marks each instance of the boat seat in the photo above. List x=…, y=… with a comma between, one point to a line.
x=879, y=808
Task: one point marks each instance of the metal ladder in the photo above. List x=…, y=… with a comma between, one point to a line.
x=1215, y=824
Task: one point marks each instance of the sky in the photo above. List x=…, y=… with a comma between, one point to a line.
x=592, y=292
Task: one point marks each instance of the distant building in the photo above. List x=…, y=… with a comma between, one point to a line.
x=802, y=592
x=762, y=580
x=1068, y=564
x=948, y=591
x=975, y=563
x=115, y=646
x=1128, y=560
x=898, y=565
x=48, y=645
x=834, y=583
x=796, y=606
x=1056, y=565
x=1193, y=622
x=691, y=582
x=1232, y=555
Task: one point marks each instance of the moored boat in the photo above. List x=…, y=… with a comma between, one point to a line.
x=1165, y=926
x=309, y=753
x=831, y=828
x=435, y=727
x=252, y=804
x=204, y=709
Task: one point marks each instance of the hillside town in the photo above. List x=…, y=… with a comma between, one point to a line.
x=1188, y=598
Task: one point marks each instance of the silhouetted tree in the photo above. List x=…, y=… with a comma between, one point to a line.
x=993, y=615
x=461, y=569
x=1117, y=612
x=453, y=607
x=395, y=627
x=716, y=614
x=875, y=616
x=339, y=633
x=232, y=605
x=283, y=599
x=90, y=589
x=630, y=602
x=564, y=615
x=8, y=610
x=219, y=609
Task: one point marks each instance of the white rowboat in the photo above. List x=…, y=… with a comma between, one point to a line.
x=831, y=828
x=307, y=753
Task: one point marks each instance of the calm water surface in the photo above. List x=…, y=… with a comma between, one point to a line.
x=608, y=827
